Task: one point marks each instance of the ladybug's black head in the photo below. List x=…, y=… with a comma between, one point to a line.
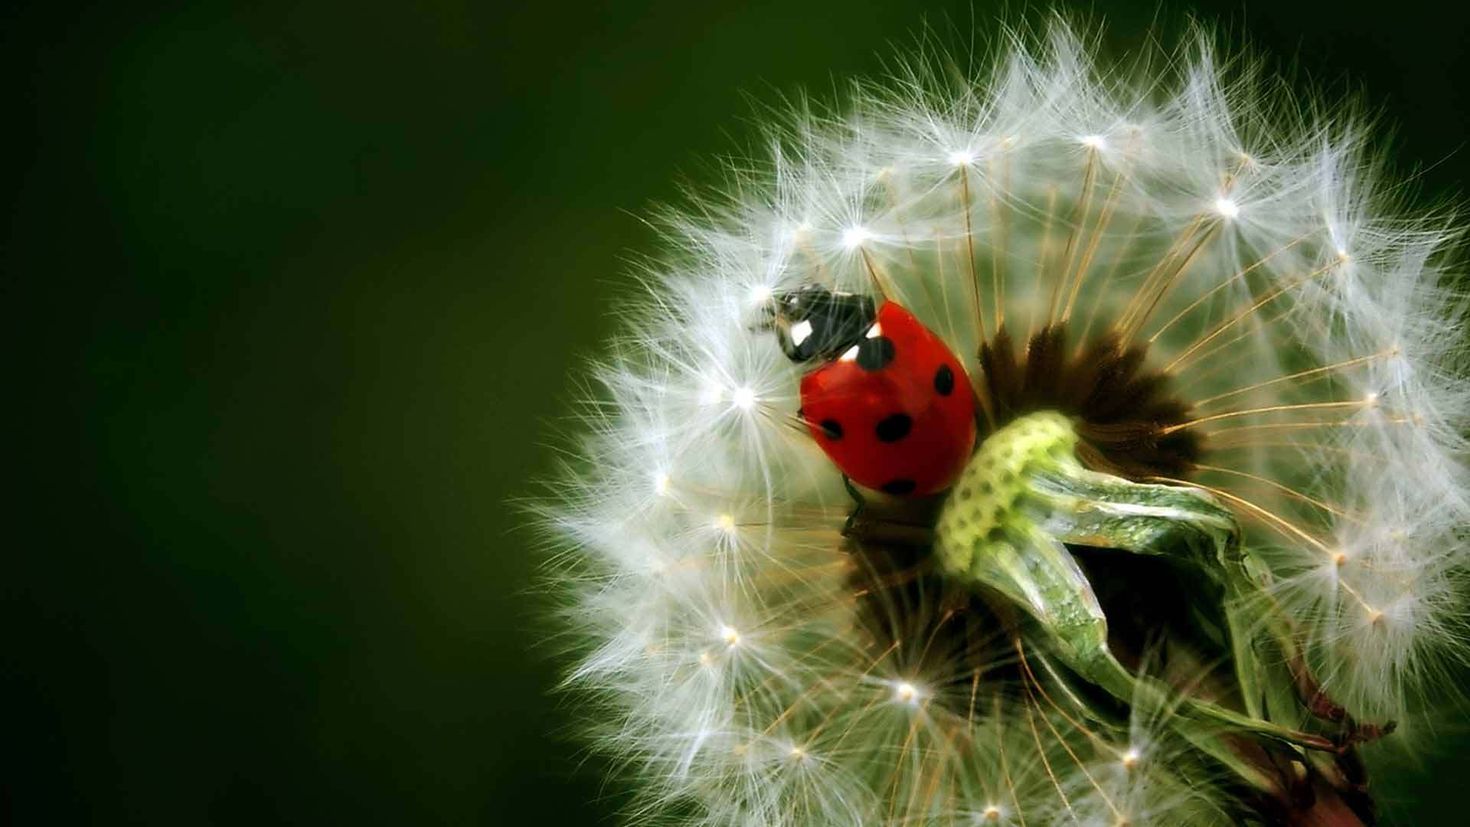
x=813, y=322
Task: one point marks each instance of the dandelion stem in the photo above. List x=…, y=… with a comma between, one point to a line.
x=1078, y=220
x=1312, y=372
x=970, y=251
x=1237, y=318
x=1305, y=406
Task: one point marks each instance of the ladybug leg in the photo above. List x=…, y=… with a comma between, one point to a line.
x=859, y=503
x=864, y=526
x=888, y=532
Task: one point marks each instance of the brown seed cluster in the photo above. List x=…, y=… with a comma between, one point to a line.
x=1123, y=409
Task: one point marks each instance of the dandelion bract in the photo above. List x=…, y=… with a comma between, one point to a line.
x=1203, y=275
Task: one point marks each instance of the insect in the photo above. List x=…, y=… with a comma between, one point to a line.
x=888, y=401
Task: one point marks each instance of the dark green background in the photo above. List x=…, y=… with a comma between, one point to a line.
x=294, y=297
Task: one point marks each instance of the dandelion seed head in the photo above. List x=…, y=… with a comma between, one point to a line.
x=752, y=664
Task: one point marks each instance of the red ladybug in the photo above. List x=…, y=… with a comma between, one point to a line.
x=888, y=401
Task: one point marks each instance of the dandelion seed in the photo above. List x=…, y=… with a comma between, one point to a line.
x=905, y=693
x=855, y=237
x=1129, y=759
x=743, y=398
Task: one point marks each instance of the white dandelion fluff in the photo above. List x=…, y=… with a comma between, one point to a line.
x=1220, y=385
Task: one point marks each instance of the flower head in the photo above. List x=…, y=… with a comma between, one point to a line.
x=1211, y=290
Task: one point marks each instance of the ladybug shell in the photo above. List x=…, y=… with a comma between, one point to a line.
x=895, y=412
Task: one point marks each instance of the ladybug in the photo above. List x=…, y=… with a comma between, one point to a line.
x=886, y=399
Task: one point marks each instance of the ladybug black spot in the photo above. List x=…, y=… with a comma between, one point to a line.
x=832, y=428
x=875, y=353
x=893, y=428
x=898, y=487
x=944, y=380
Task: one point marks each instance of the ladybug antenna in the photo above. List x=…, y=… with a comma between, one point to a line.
x=874, y=277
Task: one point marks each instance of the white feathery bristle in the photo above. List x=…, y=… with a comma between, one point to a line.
x=1315, y=333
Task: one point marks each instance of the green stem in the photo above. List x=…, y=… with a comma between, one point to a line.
x=1005, y=529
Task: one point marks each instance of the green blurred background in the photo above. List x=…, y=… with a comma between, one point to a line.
x=298, y=295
